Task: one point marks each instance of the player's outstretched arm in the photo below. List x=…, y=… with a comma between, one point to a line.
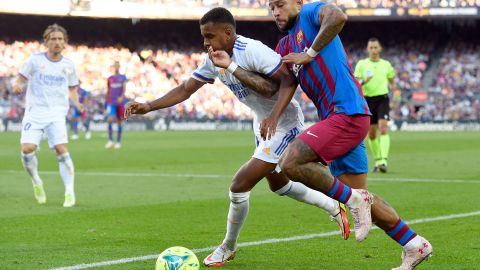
x=331, y=19
x=259, y=83
x=173, y=97
x=288, y=85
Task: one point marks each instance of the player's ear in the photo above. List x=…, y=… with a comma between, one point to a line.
x=228, y=32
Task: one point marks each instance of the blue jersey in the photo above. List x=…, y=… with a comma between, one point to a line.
x=328, y=80
x=82, y=95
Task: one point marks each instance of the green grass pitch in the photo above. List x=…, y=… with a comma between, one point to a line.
x=171, y=188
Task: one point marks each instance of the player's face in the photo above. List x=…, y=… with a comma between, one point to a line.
x=216, y=36
x=374, y=48
x=285, y=12
x=55, y=42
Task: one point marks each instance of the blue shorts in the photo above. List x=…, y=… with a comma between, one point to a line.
x=77, y=114
x=115, y=111
x=355, y=161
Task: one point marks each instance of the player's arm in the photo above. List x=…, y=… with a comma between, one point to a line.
x=19, y=84
x=260, y=83
x=173, y=97
x=331, y=20
x=122, y=95
x=73, y=94
x=288, y=84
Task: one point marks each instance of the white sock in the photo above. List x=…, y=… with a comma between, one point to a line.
x=67, y=172
x=239, y=204
x=302, y=193
x=355, y=199
x=30, y=163
x=415, y=242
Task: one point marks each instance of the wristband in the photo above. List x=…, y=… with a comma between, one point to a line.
x=311, y=52
x=232, y=67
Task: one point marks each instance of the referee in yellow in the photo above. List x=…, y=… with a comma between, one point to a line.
x=376, y=74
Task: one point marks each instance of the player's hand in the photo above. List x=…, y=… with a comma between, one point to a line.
x=136, y=108
x=297, y=58
x=268, y=128
x=219, y=58
x=120, y=100
x=17, y=89
x=80, y=107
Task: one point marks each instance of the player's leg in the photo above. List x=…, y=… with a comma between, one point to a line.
x=74, y=127
x=282, y=186
x=373, y=141
x=384, y=138
x=86, y=124
x=383, y=214
x=325, y=141
x=111, y=112
x=244, y=180
x=119, y=114
x=30, y=139
x=57, y=138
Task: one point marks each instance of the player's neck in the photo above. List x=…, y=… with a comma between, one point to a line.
x=375, y=58
x=54, y=57
x=232, y=43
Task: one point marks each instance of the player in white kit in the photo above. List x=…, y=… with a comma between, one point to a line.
x=51, y=81
x=244, y=65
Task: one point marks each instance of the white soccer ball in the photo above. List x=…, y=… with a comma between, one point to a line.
x=177, y=258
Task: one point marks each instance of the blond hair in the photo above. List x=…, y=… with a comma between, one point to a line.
x=55, y=28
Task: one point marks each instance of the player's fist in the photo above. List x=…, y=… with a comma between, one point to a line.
x=268, y=128
x=17, y=88
x=219, y=58
x=137, y=108
x=80, y=107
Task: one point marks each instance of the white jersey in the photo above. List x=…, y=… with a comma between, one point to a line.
x=252, y=55
x=48, y=87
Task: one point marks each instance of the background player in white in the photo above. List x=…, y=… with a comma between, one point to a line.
x=51, y=81
x=246, y=77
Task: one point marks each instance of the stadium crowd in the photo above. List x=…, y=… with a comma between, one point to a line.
x=455, y=94
x=341, y=3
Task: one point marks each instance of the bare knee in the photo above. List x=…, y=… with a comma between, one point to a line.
x=61, y=149
x=28, y=148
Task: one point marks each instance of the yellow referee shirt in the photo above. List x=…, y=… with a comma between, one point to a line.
x=381, y=72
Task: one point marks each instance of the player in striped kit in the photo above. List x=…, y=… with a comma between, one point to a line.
x=242, y=64
x=315, y=53
x=115, y=105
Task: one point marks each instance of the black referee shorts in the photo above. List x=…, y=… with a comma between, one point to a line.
x=379, y=107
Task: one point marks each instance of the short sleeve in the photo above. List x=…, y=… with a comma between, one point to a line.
x=390, y=71
x=124, y=77
x=206, y=72
x=262, y=59
x=72, y=77
x=310, y=12
x=358, y=70
x=26, y=69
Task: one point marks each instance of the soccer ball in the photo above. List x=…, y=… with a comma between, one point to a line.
x=177, y=258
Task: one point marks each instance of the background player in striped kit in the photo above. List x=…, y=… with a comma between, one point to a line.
x=115, y=105
x=238, y=62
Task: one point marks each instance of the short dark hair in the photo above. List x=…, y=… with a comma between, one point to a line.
x=374, y=39
x=218, y=15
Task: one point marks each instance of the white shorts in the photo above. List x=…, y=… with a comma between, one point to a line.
x=32, y=132
x=271, y=150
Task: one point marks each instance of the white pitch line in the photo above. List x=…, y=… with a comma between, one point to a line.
x=192, y=175
x=255, y=243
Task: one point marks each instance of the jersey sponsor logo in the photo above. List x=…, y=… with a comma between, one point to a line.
x=311, y=134
x=51, y=80
x=238, y=89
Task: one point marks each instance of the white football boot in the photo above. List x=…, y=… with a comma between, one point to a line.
x=219, y=256
x=416, y=255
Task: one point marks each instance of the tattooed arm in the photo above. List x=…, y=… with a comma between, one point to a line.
x=331, y=19
x=260, y=83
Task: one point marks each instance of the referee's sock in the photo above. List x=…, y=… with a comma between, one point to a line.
x=384, y=147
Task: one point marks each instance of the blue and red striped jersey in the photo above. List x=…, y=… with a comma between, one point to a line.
x=328, y=80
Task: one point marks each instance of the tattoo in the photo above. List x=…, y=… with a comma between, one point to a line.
x=331, y=19
x=257, y=82
x=304, y=168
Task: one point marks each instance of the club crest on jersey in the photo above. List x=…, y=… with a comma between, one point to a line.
x=266, y=150
x=221, y=71
x=299, y=37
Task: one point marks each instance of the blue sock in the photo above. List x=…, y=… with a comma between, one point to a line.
x=75, y=127
x=119, y=133
x=401, y=233
x=110, y=132
x=339, y=191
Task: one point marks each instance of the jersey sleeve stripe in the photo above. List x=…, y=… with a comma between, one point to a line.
x=202, y=78
x=275, y=69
